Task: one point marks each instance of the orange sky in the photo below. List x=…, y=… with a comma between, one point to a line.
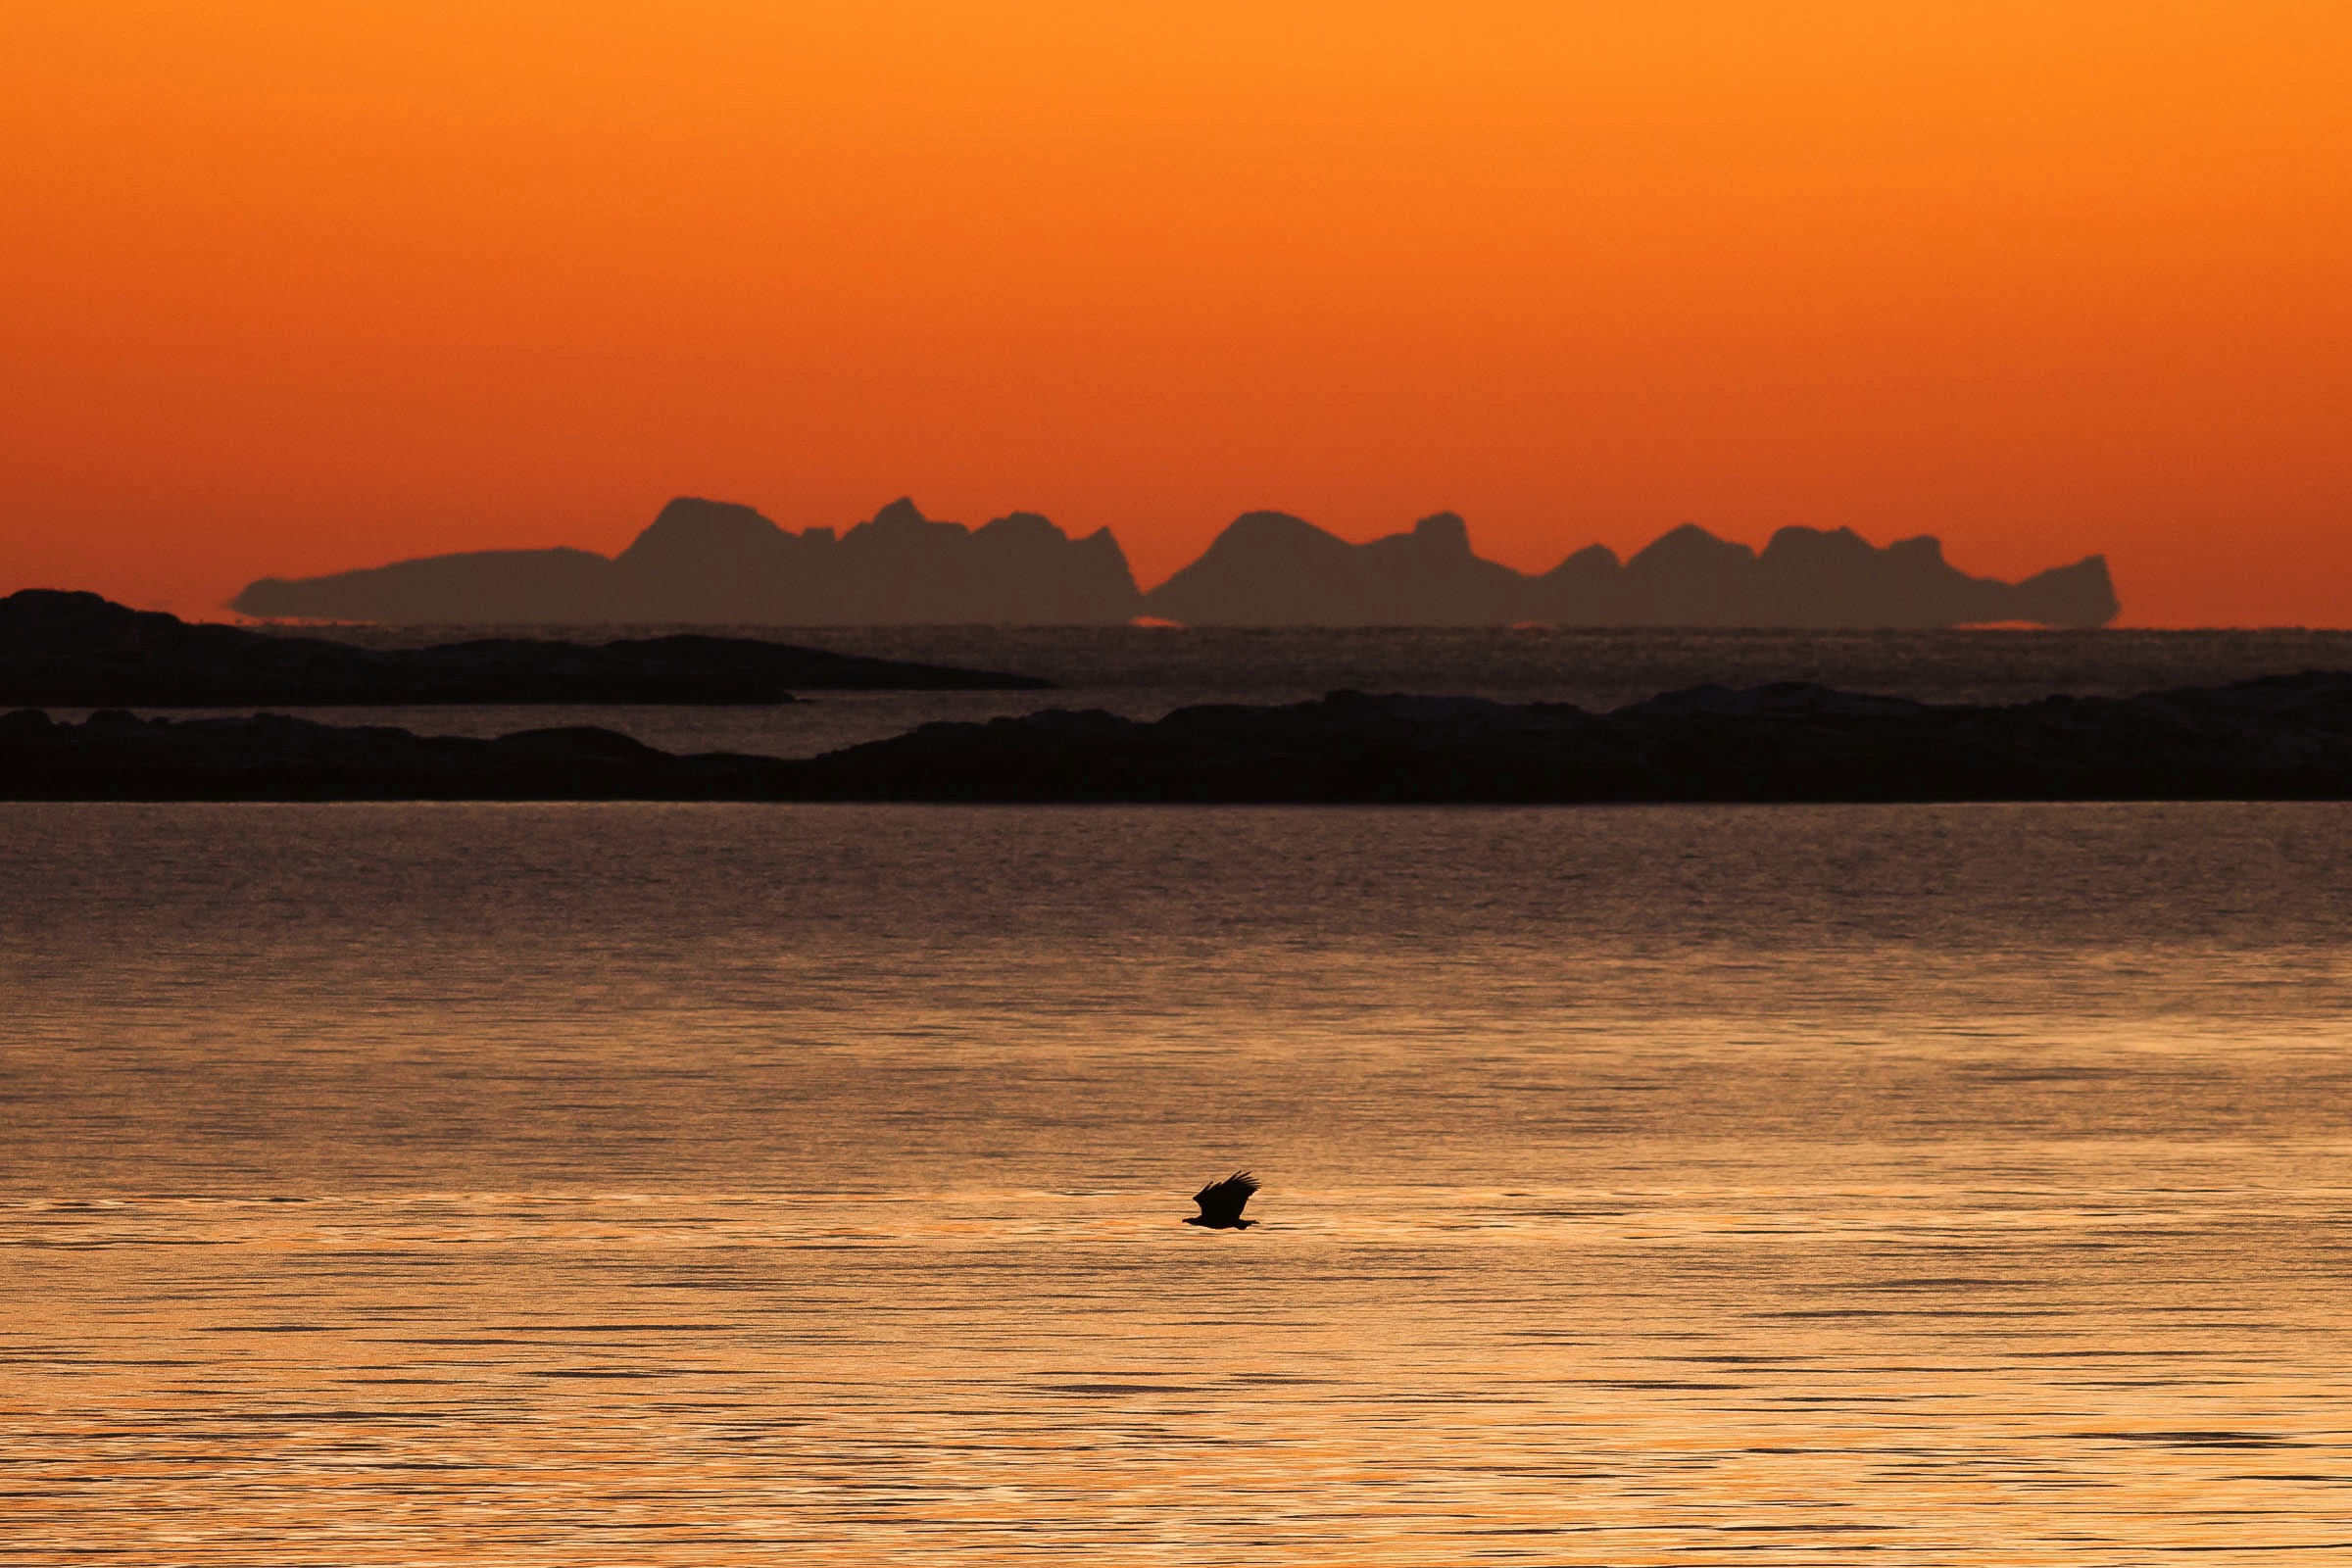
x=298, y=286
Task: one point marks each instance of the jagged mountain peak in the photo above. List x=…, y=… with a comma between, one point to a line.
x=1445, y=533
x=900, y=513
x=689, y=525
x=1688, y=543
x=1251, y=527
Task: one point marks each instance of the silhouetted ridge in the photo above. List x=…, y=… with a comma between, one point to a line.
x=1269, y=568
x=2277, y=738
x=76, y=650
x=716, y=563
x=1272, y=569
x=481, y=587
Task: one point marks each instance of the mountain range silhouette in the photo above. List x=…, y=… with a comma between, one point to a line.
x=717, y=562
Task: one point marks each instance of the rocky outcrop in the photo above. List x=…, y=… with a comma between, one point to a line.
x=714, y=563
x=2281, y=737
x=2278, y=738
x=76, y=650
x=113, y=755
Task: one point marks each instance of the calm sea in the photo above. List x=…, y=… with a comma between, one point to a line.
x=715, y=1185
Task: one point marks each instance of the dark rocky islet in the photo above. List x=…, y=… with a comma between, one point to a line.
x=2273, y=738
x=116, y=755
x=77, y=649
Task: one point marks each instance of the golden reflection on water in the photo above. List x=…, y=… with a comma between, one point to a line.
x=660, y=1186
x=1938, y=1369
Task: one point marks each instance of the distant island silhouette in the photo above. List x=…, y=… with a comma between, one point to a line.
x=75, y=650
x=2275, y=738
x=717, y=562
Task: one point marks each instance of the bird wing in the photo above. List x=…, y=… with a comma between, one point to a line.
x=1224, y=1199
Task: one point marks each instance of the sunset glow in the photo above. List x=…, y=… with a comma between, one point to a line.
x=291, y=289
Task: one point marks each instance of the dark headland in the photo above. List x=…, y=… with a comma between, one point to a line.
x=714, y=562
x=76, y=650
x=2275, y=738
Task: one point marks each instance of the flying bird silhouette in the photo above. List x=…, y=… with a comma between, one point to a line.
x=1221, y=1203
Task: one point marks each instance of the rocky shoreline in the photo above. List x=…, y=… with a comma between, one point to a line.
x=2275, y=738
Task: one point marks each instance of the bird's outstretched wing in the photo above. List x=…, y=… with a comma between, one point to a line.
x=1223, y=1201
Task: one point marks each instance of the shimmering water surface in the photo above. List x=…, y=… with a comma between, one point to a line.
x=711, y=1185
